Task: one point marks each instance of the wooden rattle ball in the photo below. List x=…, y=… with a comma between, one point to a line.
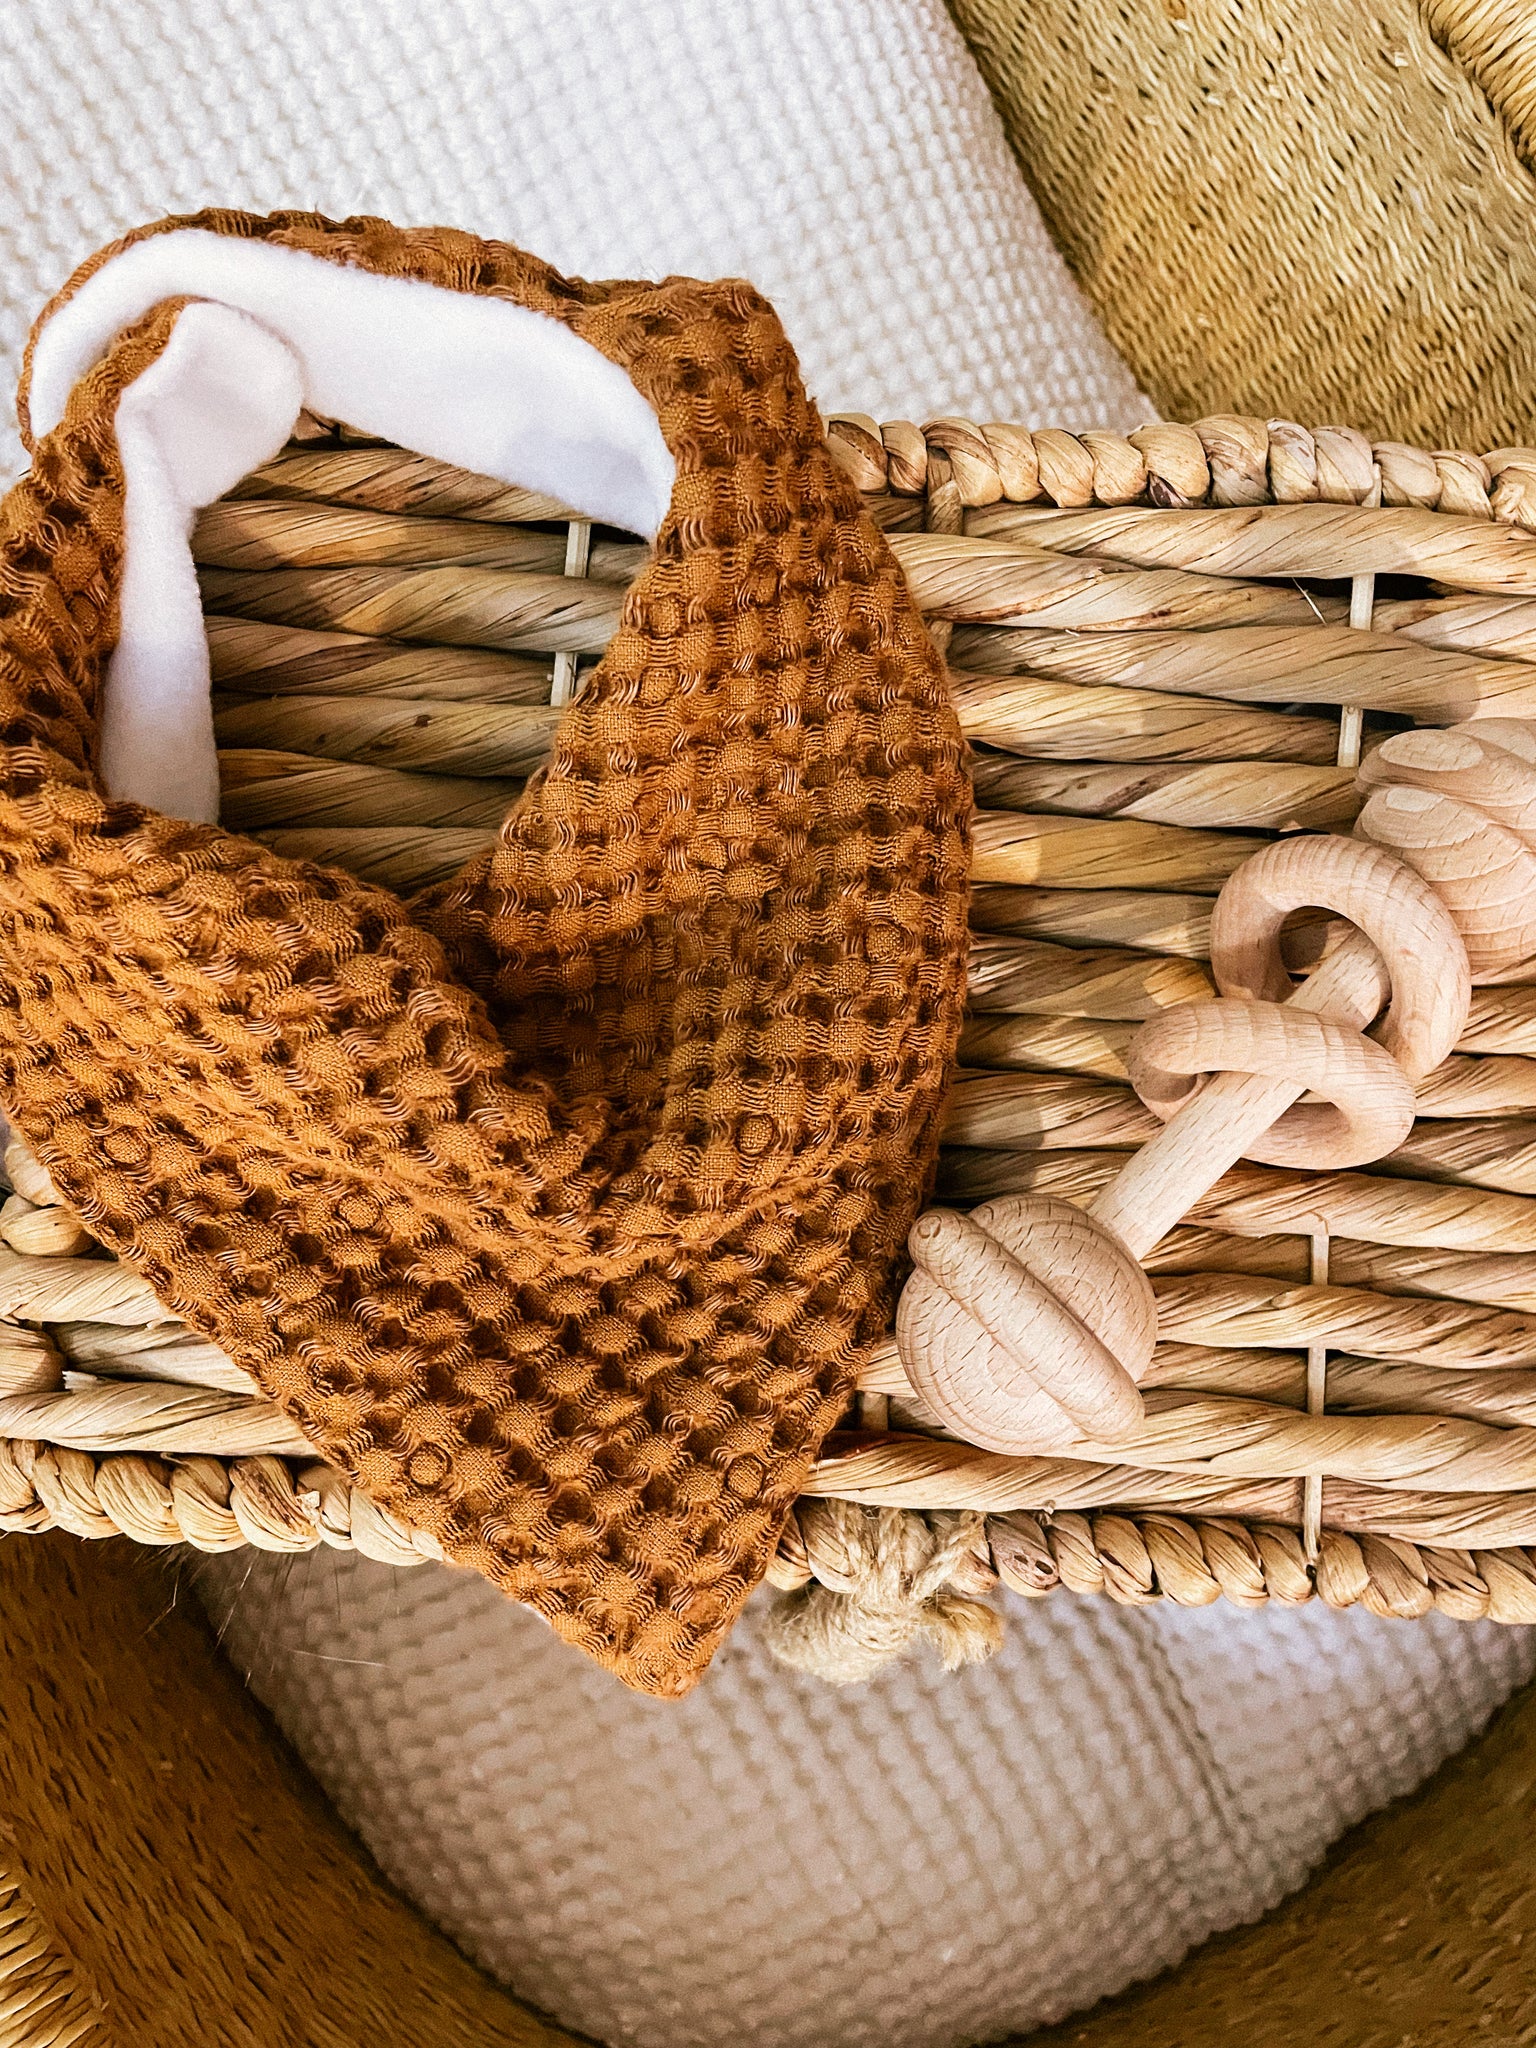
x=1025, y=1325
x=1515, y=736
x=1486, y=764
x=1459, y=807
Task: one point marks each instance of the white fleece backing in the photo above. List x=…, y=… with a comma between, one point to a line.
x=479, y=382
x=490, y=386
x=219, y=399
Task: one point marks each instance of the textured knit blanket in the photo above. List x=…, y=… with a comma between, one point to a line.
x=558, y=1207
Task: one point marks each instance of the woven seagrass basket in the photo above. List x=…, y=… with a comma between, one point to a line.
x=1305, y=206
x=1167, y=650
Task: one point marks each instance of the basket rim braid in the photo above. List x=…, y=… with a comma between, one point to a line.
x=1169, y=649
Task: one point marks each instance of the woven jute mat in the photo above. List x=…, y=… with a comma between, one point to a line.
x=168, y=1873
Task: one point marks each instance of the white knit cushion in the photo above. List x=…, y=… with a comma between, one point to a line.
x=923, y=1862
x=842, y=153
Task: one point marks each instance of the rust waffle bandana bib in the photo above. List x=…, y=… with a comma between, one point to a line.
x=558, y=1205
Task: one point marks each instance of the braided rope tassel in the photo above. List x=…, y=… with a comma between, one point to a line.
x=884, y=1580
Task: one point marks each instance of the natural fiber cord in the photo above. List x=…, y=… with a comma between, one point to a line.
x=1320, y=210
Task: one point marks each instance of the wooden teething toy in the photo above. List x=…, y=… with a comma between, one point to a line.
x=1440, y=885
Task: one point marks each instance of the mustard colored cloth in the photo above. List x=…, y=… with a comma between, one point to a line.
x=558, y=1207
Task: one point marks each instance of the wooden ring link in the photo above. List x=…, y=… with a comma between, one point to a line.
x=1367, y=1108
x=1394, y=906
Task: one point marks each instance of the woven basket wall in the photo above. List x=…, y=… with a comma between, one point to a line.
x=1166, y=650
x=1303, y=206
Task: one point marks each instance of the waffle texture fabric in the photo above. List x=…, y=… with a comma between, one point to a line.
x=843, y=154
x=925, y=1861
x=560, y=1208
